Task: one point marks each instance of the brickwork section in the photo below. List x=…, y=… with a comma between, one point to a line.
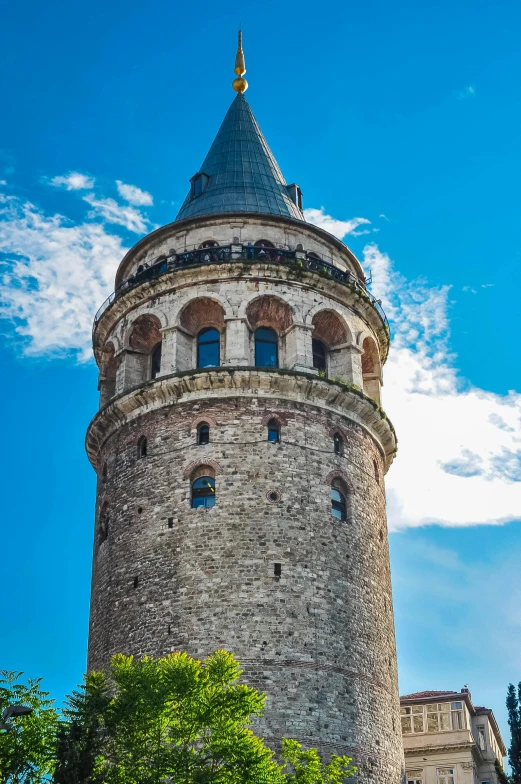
x=319, y=639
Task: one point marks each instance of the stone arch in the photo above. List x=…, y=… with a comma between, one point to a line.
x=248, y=301
x=334, y=352
x=371, y=369
x=184, y=302
x=193, y=468
x=281, y=419
x=202, y=312
x=263, y=244
x=342, y=477
x=143, y=332
x=330, y=327
x=202, y=419
x=142, y=357
x=210, y=243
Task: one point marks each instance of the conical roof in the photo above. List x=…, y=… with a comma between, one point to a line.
x=239, y=174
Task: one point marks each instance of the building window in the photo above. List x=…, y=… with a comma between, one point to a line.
x=415, y=777
x=156, y=360
x=376, y=471
x=482, y=741
x=104, y=472
x=338, y=502
x=266, y=347
x=412, y=719
x=203, y=492
x=445, y=716
x=142, y=447
x=445, y=776
x=273, y=431
x=338, y=444
x=208, y=348
x=319, y=355
x=203, y=434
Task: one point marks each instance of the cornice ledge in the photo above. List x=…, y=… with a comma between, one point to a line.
x=442, y=747
x=228, y=381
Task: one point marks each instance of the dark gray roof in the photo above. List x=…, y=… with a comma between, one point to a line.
x=243, y=175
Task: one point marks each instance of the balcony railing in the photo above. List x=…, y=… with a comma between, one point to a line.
x=225, y=253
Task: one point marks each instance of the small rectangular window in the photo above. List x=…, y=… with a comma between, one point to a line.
x=482, y=741
x=277, y=569
x=445, y=776
x=170, y=522
x=415, y=777
x=198, y=186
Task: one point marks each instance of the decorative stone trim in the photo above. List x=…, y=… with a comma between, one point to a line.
x=330, y=478
x=229, y=381
x=191, y=467
x=337, y=429
x=201, y=419
x=277, y=416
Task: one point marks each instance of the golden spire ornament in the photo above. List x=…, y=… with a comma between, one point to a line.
x=239, y=84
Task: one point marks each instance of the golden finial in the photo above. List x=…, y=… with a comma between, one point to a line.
x=240, y=85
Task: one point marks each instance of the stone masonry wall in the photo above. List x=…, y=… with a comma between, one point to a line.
x=320, y=639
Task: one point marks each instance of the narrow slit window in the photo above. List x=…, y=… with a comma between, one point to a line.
x=156, y=360
x=376, y=471
x=203, y=434
x=338, y=503
x=319, y=355
x=338, y=444
x=203, y=492
x=277, y=569
x=142, y=447
x=273, y=431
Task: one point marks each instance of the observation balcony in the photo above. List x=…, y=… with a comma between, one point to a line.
x=295, y=259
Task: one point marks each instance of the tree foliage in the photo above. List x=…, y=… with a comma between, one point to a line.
x=27, y=749
x=514, y=722
x=174, y=720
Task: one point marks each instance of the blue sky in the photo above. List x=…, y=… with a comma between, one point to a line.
x=406, y=115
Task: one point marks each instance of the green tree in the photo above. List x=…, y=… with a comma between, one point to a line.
x=304, y=766
x=27, y=748
x=514, y=722
x=177, y=720
x=500, y=773
x=81, y=734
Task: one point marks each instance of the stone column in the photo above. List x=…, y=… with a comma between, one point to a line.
x=237, y=342
x=134, y=367
x=345, y=362
x=373, y=387
x=299, y=348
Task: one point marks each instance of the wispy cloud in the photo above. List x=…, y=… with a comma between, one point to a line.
x=459, y=446
x=54, y=275
x=74, y=181
x=121, y=215
x=134, y=195
x=467, y=92
x=334, y=226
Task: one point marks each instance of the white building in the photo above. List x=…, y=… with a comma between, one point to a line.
x=448, y=740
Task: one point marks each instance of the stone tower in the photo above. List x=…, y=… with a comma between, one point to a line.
x=241, y=449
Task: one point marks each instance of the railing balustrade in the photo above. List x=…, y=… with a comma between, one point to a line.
x=250, y=252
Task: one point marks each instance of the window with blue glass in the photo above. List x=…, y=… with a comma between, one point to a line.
x=338, y=502
x=208, y=348
x=273, y=431
x=203, y=492
x=266, y=347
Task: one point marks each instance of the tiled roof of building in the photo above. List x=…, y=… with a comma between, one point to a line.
x=426, y=695
x=241, y=173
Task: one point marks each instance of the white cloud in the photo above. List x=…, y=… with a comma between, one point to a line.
x=134, y=195
x=54, y=277
x=336, y=227
x=122, y=215
x=467, y=92
x=459, y=447
x=74, y=181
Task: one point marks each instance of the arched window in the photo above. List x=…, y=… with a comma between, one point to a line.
x=319, y=355
x=142, y=447
x=208, y=348
x=266, y=347
x=312, y=255
x=156, y=360
x=209, y=244
x=338, y=501
x=203, y=492
x=273, y=431
x=338, y=444
x=264, y=244
x=203, y=434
